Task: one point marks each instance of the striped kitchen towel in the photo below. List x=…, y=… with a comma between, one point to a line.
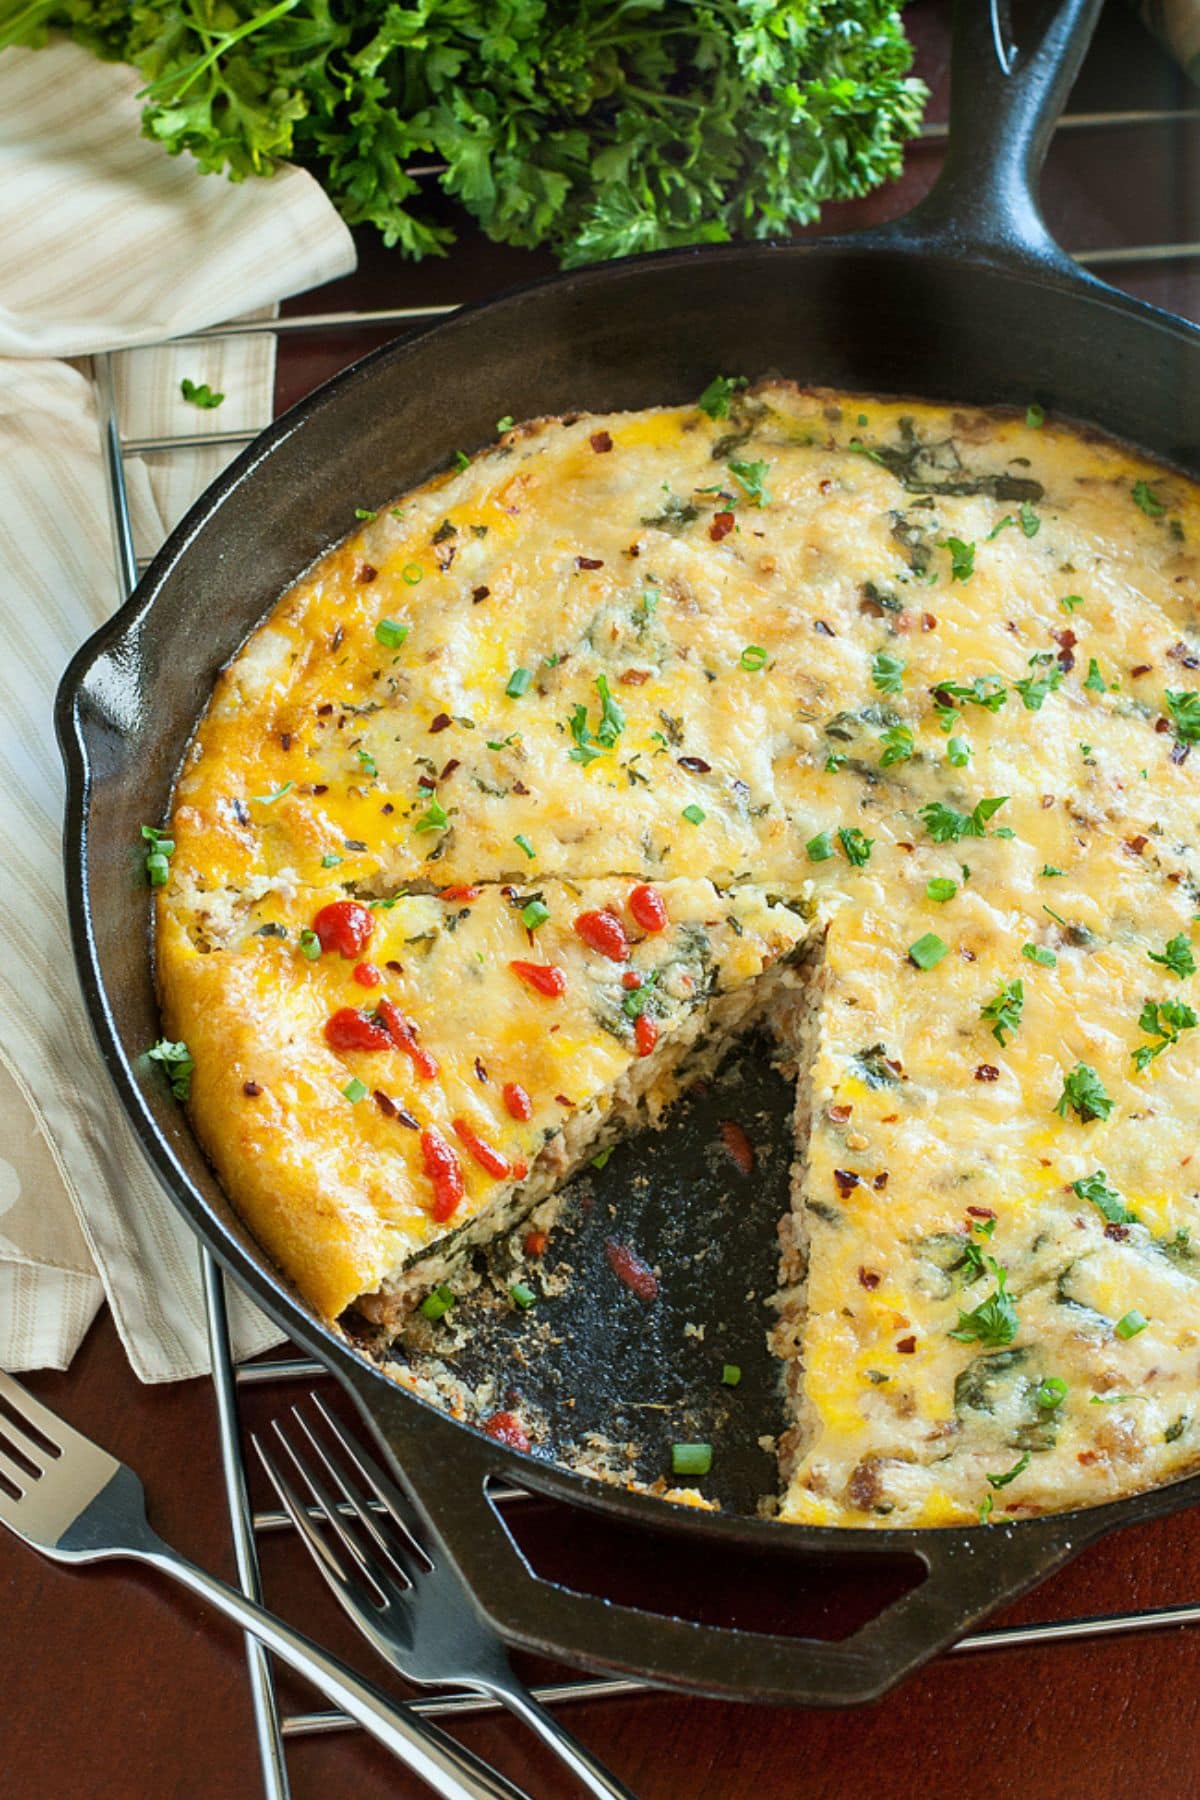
x=105, y=243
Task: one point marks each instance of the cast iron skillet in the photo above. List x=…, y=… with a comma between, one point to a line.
x=969, y=299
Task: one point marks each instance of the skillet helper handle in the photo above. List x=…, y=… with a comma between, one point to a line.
x=1005, y=98
x=967, y=1575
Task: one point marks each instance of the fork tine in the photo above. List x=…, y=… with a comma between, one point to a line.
x=297, y=1510
x=396, y=1504
x=26, y=1413
x=359, y=1503
x=328, y=1500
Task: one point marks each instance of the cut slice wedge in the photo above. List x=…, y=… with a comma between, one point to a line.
x=454, y=1056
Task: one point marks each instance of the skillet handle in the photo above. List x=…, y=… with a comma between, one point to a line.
x=1004, y=103
x=968, y=1573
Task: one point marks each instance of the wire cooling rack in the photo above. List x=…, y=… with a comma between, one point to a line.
x=273, y=1729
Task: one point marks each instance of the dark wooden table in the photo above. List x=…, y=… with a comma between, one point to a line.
x=115, y=1686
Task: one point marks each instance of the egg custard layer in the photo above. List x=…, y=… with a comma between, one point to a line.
x=873, y=719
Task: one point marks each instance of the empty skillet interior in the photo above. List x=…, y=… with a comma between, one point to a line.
x=905, y=311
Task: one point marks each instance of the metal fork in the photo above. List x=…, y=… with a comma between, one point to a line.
x=412, y=1606
x=70, y=1499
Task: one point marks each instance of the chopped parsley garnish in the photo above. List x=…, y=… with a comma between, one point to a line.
x=1164, y=1019
x=985, y=690
x=198, y=393
x=819, y=848
x=1095, y=680
x=995, y=1321
x=834, y=761
x=718, y=395
x=608, y=730
x=1176, y=955
x=1084, y=1093
x=1033, y=689
x=1003, y=1013
x=752, y=477
x=503, y=743
x=898, y=745
x=946, y=826
x=364, y=512
x=461, y=460
x=928, y=951
x=355, y=1090
x=367, y=762
x=506, y=423
x=518, y=683
x=176, y=1063
x=434, y=1305
x=1036, y=953
x=270, y=799
x=435, y=818
x=1018, y=1468
x=1131, y=1324
x=1105, y=1199
x=310, y=944
x=390, y=634
x=1145, y=497
x=1071, y=602
x=887, y=672
x=1035, y=416
x=523, y=843
x=534, y=913
x=161, y=847
x=695, y=815
x=1030, y=523
x=941, y=888
x=1184, y=708
x=753, y=658
x=691, y=1459
x=1049, y=869
x=962, y=559
x=856, y=847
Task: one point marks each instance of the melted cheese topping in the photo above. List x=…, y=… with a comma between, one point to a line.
x=926, y=671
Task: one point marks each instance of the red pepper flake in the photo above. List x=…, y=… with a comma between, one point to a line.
x=251, y=1090
x=535, y=1243
x=645, y=1032
x=506, y=1428
x=345, y=926
x=648, y=907
x=906, y=1345
x=980, y=1212
x=1118, y=1233
x=324, y=710
x=440, y=722
x=444, y=1171
x=603, y=931
x=722, y=525
x=601, y=442
x=631, y=980
x=565, y=1100
x=695, y=765
x=1135, y=845
x=488, y=1158
x=987, y=1072
x=628, y=1267
x=518, y=787
x=426, y=782
x=928, y=621
x=449, y=769
x=478, y=594
x=367, y=975
x=589, y=562
x=868, y=1278
x=1141, y=668
x=519, y=1105
x=285, y=740
x=738, y=1146
x=880, y=1181
x=635, y=677
x=543, y=978
x=347, y=1029
x=403, y=1033
x=461, y=893
x=846, y=1180
x=367, y=572
x=396, y=967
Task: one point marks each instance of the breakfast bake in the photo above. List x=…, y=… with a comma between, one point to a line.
x=868, y=720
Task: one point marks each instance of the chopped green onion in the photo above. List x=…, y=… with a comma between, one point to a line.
x=958, y=752
x=330, y=860
x=820, y=848
x=519, y=683
x=928, y=951
x=506, y=423
x=355, y=1090
x=368, y=763
x=364, y=512
x=412, y=573
x=436, y=1304
x=523, y=843
x=941, y=888
x=694, y=815
x=522, y=1296
x=270, y=799
x=1071, y=602
x=461, y=460
x=310, y=944
x=1051, y=1393
x=691, y=1459
x=601, y=1157
x=1035, y=416
x=753, y=657
x=535, y=914
x=1131, y=1324
x=731, y=1374
x=390, y=634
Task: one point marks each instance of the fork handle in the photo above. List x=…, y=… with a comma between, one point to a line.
x=586, y=1768
x=448, y=1768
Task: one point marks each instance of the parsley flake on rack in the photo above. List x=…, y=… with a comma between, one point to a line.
x=1084, y=1093
x=198, y=393
x=1176, y=954
x=1163, y=1019
x=1003, y=1011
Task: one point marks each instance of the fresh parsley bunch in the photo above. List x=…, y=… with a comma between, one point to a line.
x=600, y=127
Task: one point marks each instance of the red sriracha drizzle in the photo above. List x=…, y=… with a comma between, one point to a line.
x=517, y=1100
x=506, y=1428
x=444, y=1171
x=367, y=975
x=648, y=908
x=403, y=1033
x=488, y=1158
x=351, y=1030
x=603, y=931
x=344, y=925
x=544, y=978
x=645, y=1033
